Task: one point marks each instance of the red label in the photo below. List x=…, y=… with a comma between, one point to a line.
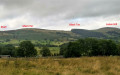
x=27, y=25
x=111, y=23
x=3, y=26
x=74, y=24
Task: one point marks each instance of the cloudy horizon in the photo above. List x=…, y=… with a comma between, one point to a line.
x=57, y=15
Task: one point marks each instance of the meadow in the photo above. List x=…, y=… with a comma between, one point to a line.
x=61, y=66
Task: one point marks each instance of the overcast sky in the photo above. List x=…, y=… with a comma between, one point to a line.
x=58, y=14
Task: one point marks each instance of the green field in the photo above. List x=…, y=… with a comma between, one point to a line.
x=61, y=66
x=35, y=42
x=52, y=49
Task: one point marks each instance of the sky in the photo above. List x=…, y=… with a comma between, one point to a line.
x=59, y=14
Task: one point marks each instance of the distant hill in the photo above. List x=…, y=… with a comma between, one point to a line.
x=107, y=32
x=88, y=33
x=110, y=32
x=34, y=34
x=54, y=35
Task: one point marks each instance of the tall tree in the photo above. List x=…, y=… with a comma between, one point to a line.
x=26, y=49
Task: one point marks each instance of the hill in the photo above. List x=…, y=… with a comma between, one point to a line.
x=50, y=36
x=107, y=33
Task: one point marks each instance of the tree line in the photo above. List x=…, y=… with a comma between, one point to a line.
x=90, y=47
x=25, y=49
x=81, y=47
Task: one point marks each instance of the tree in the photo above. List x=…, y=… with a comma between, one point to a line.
x=0, y=50
x=63, y=48
x=111, y=48
x=8, y=50
x=72, y=50
x=91, y=47
x=118, y=49
x=45, y=52
x=26, y=49
x=7, y=40
x=107, y=48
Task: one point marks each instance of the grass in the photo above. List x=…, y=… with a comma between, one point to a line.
x=52, y=50
x=61, y=66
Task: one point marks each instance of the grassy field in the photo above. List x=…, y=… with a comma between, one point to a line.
x=61, y=66
x=52, y=50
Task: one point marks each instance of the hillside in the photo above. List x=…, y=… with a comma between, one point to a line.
x=107, y=32
x=110, y=32
x=42, y=35
x=88, y=33
x=34, y=34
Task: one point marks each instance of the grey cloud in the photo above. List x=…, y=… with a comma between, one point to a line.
x=56, y=12
x=75, y=8
x=97, y=8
